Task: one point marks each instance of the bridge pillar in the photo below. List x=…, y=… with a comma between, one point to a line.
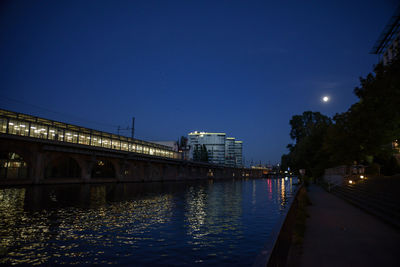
x=38, y=167
x=119, y=167
x=170, y=172
x=125, y=170
x=87, y=167
x=155, y=172
x=182, y=171
x=203, y=173
x=146, y=171
x=137, y=171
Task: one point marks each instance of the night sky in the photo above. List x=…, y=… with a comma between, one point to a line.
x=240, y=67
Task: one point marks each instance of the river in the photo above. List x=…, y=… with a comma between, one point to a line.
x=209, y=223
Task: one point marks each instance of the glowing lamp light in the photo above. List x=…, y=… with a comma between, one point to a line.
x=362, y=176
x=350, y=181
x=325, y=99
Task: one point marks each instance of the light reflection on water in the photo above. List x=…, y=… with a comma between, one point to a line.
x=181, y=223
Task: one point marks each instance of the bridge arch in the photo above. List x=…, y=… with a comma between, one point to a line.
x=103, y=168
x=63, y=167
x=12, y=166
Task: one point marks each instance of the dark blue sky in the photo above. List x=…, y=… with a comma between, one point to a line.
x=240, y=67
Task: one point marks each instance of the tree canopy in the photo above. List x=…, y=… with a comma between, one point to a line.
x=200, y=153
x=364, y=133
x=308, y=131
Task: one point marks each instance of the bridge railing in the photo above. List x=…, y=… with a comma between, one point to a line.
x=30, y=126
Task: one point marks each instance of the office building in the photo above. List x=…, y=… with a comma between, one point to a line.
x=221, y=150
x=239, y=153
x=230, y=157
x=214, y=142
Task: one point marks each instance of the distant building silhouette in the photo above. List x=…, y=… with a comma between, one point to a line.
x=388, y=44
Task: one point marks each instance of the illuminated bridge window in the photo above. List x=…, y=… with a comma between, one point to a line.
x=35, y=127
x=12, y=166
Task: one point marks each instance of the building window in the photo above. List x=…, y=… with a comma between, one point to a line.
x=124, y=146
x=12, y=166
x=132, y=147
x=18, y=127
x=71, y=137
x=3, y=125
x=106, y=142
x=84, y=139
x=38, y=131
x=56, y=134
x=96, y=140
x=116, y=144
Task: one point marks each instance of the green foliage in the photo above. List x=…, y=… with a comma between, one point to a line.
x=308, y=131
x=373, y=169
x=307, y=124
x=200, y=153
x=364, y=133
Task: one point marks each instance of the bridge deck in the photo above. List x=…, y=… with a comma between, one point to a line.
x=19, y=124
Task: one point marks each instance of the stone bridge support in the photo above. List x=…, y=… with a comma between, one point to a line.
x=41, y=155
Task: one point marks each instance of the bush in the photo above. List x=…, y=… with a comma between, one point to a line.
x=373, y=169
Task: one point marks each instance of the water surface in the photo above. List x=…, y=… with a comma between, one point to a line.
x=217, y=223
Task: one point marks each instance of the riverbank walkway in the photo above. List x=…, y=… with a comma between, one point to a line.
x=339, y=234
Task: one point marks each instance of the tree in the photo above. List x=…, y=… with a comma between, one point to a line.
x=364, y=133
x=307, y=131
x=204, y=154
x=200, y=153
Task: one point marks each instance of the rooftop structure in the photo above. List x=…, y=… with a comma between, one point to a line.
x=35, y=127
x=389, y=40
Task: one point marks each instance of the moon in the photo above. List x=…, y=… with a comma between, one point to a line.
x=325, y=99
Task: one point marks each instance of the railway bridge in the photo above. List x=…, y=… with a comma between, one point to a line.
x=34, y=150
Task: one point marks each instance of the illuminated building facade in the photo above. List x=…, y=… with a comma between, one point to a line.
x=214, y=142
x=239, y=153
x=230, y=159
x=35, y=127
x=221, y=150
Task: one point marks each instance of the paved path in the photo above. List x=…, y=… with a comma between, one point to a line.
x=339, y=234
